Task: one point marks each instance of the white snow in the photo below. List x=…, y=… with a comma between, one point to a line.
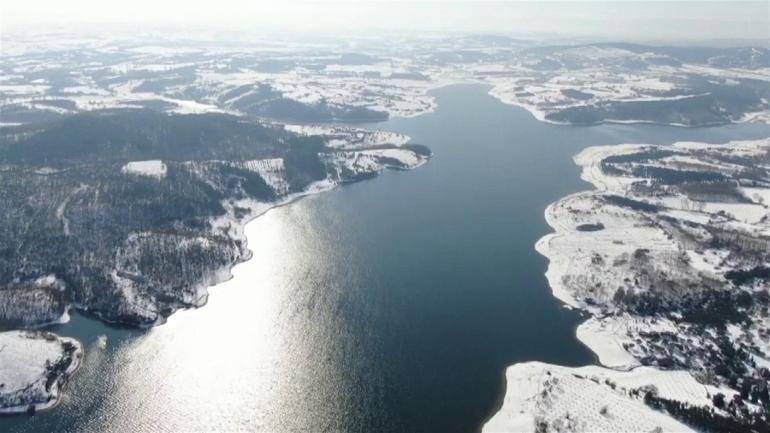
x=607, y=337
x=585, y=400
x=342, y=137
x=757, y=195
x=150, y=168
x=24, y=357
x=374, y=161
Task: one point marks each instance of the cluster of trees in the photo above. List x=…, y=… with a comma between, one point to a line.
x=141, y=134
x=630, y=203
x=74, y=221
x=68, y=209
x=264, y=101
x=708, y=418
x=25, y=305
x=744, y=247
x=613, y=165
x=714, y=104
x=99, y=218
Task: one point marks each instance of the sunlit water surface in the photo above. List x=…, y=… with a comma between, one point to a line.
x=388, y=305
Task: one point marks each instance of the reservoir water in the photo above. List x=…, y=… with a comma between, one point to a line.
x=393, y=304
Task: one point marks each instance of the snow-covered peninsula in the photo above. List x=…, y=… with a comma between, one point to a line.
x=669, y=256
x=34, y=367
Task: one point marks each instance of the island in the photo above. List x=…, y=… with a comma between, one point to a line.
x=673, y=275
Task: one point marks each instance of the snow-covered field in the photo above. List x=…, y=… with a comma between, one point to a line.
x=593, y=399
x=544, y=397
x=34, y=367
x=154, y=168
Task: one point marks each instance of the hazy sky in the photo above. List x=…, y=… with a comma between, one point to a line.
x=619, y=19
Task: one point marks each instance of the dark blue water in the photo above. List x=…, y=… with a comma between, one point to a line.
x=389, y=305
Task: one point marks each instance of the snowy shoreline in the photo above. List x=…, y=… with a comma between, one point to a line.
x=368, y=154
x=257, y=209
x=540, y=395
x=30, y=371
x=541, y=114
